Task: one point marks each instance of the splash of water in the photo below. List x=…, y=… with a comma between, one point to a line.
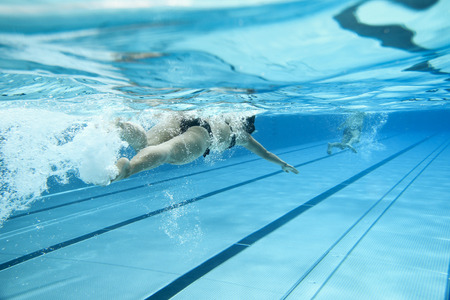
x=369, y=138
x=38, y=144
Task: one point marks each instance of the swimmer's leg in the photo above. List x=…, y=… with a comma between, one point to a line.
x=351, y=148
x=133, y=134
x=182, y=149
x=352, y=141
x=163, y=132
x=123, y=165
x=332, y=145
x=330, y=148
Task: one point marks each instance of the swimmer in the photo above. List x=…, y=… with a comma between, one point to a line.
x=352, y=132
x=184, y=138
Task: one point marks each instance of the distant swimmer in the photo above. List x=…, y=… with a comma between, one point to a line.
x=183, y=138
x=352, y=132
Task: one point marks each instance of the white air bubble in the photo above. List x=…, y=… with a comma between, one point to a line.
x=37, y=144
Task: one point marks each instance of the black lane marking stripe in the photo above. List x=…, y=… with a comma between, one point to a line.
x=297, y=283
x=376, y=221
x=58, y=246
x=188, y=278
x=149, y=184
x=447, y=290
x=170, y=179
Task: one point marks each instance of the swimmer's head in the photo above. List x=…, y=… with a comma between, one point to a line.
x=249, y=124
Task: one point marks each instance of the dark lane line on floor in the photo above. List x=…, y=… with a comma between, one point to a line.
x=150, y=184
x=84, y=237
x=167, y=180
x=142, y=217
x=319, y=260
x=188, y=278
x=379, y=217
x=447, y=289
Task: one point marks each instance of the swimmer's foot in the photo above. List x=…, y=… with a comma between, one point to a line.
x=329, y=148
x=351, y=148
x=123, y=165
x=119, y=123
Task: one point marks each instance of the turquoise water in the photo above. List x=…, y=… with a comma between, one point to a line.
x=230, y=226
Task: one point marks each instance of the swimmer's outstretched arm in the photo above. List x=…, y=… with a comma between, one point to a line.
x=251, y=144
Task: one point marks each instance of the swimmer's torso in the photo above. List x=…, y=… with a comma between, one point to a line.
x=222, y=135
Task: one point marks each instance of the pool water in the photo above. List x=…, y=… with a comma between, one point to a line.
x=372, y=224
x=349, y=225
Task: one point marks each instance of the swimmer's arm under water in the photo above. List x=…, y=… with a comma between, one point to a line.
x=251, y=144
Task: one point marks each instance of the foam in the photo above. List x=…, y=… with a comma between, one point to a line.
x=369, y=137
x=37, y=144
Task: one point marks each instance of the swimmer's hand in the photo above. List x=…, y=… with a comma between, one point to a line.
x=288, y=168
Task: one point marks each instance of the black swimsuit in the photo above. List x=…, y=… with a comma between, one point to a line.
x=233, y=137
x=185, y=124
x=249, y=127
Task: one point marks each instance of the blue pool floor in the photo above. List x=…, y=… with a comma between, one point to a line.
x=372, y=225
